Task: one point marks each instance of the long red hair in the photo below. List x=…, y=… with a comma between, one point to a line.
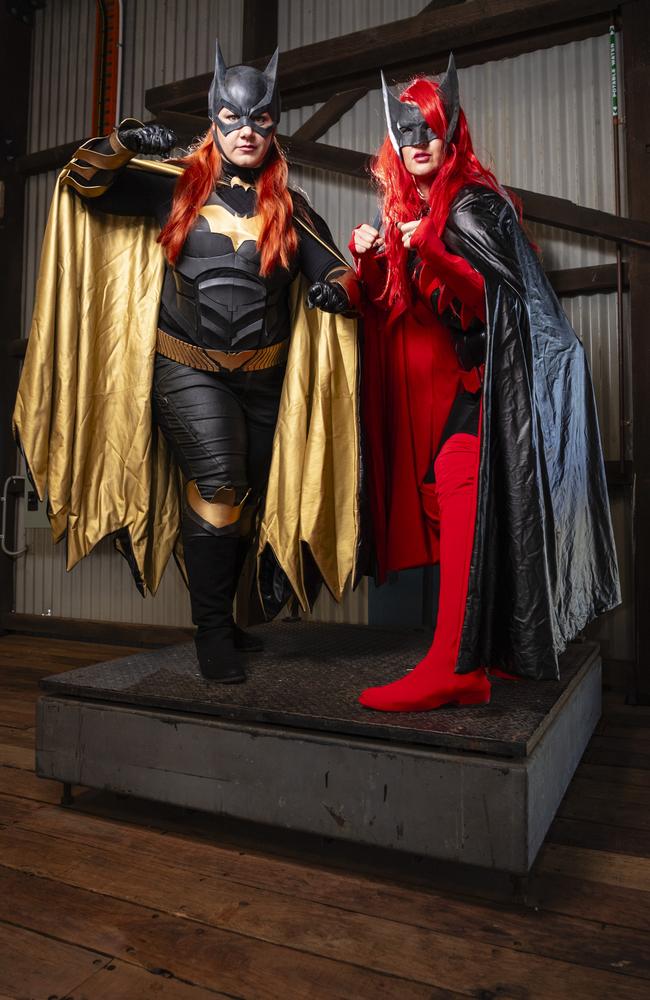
x=401, y=200
x=277, y=242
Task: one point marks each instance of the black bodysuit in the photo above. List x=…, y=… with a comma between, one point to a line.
x=220, y=426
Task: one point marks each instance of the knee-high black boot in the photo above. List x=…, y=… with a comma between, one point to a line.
x=244, y=641
x=210, y=559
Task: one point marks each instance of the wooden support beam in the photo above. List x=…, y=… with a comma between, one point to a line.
x=438, y=4
x=187, y=127
x=543, y=208
x=46, y=159
x=16, y=348
x=323, y=156
x=260, y=29
x=313, y=90
x=476, y=31
x=87, y=630
x=619, y=477
x=558, y=212
x=329, y=114
x=565, y=214
x=636, y=43
x=601, y=278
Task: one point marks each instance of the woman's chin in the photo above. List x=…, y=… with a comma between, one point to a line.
x=249, y=160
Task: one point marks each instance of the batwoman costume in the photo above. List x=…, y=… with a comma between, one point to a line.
x=483, y=449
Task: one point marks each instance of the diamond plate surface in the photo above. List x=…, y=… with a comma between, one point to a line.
x=309, y=677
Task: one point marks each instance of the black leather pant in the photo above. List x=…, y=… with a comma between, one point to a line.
x=463, y=419
x=463, y=416
x=219, y=427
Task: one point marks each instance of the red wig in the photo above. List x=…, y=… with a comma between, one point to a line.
x=401, y=200
x=277, y=242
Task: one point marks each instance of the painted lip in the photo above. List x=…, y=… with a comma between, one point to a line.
x=421, y=157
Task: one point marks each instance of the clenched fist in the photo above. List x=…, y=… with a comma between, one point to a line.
x=365, y=238
x=153, y=139
x=407, y=229
x=328, y=296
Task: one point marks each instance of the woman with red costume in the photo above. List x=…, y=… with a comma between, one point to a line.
x=482, y=442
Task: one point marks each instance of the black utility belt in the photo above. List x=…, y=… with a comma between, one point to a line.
x=208, y=360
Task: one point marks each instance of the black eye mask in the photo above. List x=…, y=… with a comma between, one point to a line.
x=411, y=129
x=406, y=125
x=246, y=92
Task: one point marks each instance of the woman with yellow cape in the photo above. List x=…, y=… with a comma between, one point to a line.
x=172, y=298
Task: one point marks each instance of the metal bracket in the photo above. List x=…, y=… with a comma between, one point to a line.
x=67, y=798
x=9, y=482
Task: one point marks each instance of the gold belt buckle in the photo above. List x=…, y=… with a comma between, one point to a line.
x=222, y=358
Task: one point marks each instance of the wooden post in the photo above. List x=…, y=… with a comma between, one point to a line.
x=14, y=87
x=636, y=45
x=260, y=34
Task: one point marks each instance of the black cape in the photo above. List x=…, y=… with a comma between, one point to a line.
x=543, y=561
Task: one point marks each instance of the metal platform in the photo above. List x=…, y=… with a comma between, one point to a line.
x=292, y=746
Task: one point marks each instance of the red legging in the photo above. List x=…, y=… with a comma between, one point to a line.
x=433, y=682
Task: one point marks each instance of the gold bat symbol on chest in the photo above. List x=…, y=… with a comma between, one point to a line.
x=236, y=227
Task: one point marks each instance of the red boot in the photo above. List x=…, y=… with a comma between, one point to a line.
x=432, y=682
x=497, y=672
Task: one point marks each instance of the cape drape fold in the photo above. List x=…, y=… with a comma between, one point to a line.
x=544, y=559
x=312, y=498
x=83, y=411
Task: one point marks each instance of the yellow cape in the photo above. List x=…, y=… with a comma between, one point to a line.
x=83, y=411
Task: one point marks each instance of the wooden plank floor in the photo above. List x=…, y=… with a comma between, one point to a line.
x=119, y=898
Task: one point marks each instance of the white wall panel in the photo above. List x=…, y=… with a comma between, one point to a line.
x=63, y=44
x=100, y=587
x=301, y=22
x=352, y=609
x=593, y=317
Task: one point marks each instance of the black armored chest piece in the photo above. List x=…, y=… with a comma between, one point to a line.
x=223, y=299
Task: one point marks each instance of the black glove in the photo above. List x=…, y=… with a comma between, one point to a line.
x=148, y=139
x=469, y=344
x=329, y=297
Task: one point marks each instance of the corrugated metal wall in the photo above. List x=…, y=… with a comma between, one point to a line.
x=301, y=22
x=62, y=66
x=541, y=119
x=172, y=40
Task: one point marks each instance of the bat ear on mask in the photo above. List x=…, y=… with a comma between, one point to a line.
x=271, y=76
x=218, y=84
x=392, y=108
x=449, y=89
